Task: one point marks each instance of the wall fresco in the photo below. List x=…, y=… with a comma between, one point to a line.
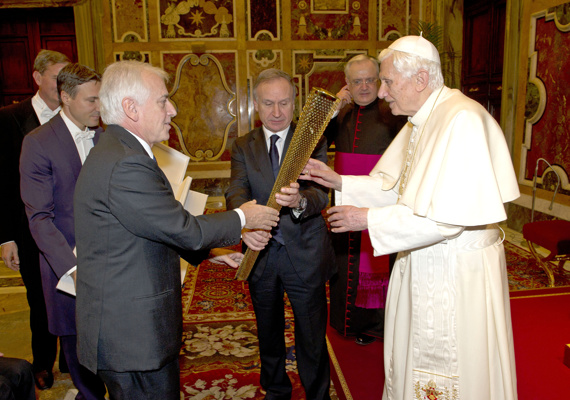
x=135, y=27
x=203, y=93
x=263, y=20
x=196, y=19
x=329, y=20
x=393, y=17
x=547, y=110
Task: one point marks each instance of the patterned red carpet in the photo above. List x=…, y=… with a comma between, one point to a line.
x=524, y=273
x=219, y=357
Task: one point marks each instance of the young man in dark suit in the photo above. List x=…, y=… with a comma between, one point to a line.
x=130, y=230
x=19, y=251
x=52, y=156
x=299, y=258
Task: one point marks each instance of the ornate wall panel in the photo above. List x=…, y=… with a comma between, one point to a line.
x=204, y=94
x=196, y=19
x=547, y=110
x=264, y=22
x=393, y=17
x=329, y=19
x=214, y=50
x=130, y=23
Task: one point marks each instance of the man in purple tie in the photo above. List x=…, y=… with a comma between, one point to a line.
x=52, y=156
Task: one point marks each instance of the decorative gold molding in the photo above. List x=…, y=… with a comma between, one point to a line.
x=204, y=60
x=548, y=15
x=39, y=3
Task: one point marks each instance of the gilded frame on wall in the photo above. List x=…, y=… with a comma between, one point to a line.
x=203, y=128
x=546, y=114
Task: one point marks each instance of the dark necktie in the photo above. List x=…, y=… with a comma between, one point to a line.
x=274, y=158
x=274, y=155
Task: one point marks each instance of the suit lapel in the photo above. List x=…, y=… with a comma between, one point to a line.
x=27, y=117
x=126, y=138
x=68, y=147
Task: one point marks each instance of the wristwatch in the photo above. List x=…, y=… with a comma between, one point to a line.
x=302, y=204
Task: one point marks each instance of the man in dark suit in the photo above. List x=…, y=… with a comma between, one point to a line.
x=19, y=251
x=130, y=231
x=299, y=258
x=50, y=162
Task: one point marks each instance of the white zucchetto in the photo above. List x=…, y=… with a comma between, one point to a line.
x=418, y=46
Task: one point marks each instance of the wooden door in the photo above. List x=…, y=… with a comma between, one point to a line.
x=23, y=33
x=483, y=51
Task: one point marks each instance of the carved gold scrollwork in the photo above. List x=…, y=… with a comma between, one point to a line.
x=203, y=119
x=198, y=13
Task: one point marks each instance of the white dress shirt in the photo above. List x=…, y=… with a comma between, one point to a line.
x=83, y=139
x=42, y=110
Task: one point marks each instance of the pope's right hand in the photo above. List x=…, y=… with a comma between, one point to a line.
x=258, y=216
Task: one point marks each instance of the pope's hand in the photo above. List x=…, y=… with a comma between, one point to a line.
x=318, y=172
x=259, y=217
x=348, y=218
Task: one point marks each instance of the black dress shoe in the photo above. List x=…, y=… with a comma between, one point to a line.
x=364, y=340
x=44, y=379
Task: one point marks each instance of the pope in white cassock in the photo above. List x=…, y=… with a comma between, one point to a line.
x=436, y=196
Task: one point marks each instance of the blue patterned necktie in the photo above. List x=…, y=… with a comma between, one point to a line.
x=274, y=158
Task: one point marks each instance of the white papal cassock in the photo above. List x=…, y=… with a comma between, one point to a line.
x=435, y=197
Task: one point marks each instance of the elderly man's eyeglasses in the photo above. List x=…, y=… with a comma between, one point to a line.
x=367, y=81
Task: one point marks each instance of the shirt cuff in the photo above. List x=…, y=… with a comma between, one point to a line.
x=9, y=241
x=241, y=216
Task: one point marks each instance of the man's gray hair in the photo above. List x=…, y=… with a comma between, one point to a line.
x=272, y=74
x=47, y=58
x=360, y=58
x=124, y=79
x=409, y=65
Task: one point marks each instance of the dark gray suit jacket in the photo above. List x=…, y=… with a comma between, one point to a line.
x=307, y=239
x=129, y=231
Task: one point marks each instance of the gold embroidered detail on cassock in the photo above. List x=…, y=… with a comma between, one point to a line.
x=430, y=391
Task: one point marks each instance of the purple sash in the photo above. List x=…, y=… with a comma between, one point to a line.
x=374, y=271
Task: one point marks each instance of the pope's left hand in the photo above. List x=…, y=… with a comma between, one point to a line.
x=348, y=218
